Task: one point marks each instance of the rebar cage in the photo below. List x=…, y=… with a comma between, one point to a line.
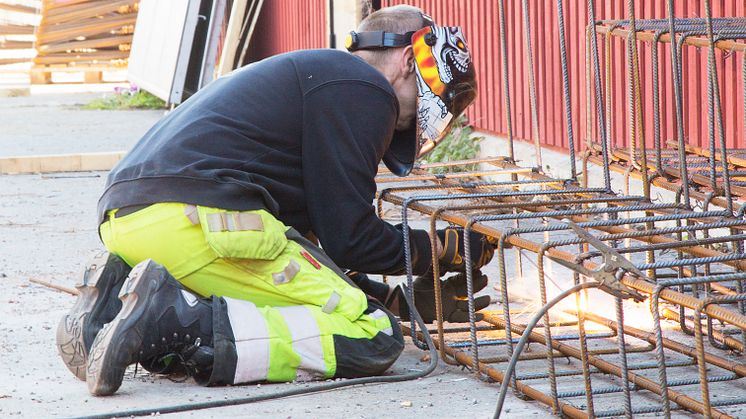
x=595, y=354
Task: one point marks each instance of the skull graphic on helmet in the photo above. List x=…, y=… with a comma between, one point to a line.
x=445, y=81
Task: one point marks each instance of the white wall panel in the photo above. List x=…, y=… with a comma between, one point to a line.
x=161, y=45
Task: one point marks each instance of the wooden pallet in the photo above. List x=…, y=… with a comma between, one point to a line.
x=16, y=37
x=42, y=74
x=11, y=29
x=88, y=36
x=17, y=8
x=55, y=163
x=12, y=44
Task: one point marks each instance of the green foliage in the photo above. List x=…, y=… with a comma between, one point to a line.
x=126, y=99
x=459, y=144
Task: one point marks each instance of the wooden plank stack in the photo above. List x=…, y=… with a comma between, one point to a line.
x=89, y=36
x=241, y=23
x=16, y=30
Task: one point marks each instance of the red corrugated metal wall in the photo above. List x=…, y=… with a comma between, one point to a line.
x=287, y=25
x=480, y=21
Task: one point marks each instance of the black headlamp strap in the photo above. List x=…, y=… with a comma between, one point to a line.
x=380, y=39
x=377, y=40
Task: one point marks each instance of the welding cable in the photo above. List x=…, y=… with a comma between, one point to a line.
x=293, y=392
x=525, y=336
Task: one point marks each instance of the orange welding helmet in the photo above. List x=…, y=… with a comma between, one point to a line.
x=446, y=85
x=446, y=82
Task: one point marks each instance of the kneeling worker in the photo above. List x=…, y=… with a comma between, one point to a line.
x=211, y=209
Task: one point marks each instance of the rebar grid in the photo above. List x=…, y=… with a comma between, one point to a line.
x=691, y=171
x=693, y=258
x=686, y=259
x=682, y=242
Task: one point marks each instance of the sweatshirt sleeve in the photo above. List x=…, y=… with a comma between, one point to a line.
x=347, y=125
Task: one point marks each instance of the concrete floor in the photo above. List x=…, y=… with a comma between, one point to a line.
x=47, y=231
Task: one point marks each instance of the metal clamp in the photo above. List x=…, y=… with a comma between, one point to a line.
x=610, y=271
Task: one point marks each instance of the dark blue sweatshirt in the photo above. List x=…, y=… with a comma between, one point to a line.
x=300, y=134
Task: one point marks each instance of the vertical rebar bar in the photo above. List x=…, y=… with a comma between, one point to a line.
x=656, y=104
x=410, y=274
x=659, y=354
x=609, y=88
x=547, y=330
x=468, y=269
x=699, y=341
x=500, y=253
x=684, y=173
x=716, y=105
x=506, y=82
x=532, y=86
x=635, y=100
x=599, y=99
x=711, y=132
x=588, y=105
x=566, y=90
x=623, y=358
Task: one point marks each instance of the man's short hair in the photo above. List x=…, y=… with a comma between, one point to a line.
x=395, y=19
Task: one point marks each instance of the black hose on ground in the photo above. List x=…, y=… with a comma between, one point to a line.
x=524, y=338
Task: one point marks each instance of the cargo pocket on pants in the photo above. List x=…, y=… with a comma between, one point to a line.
x=298, y=274
x=240, y=234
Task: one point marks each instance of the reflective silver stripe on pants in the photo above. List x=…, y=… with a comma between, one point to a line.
x=252, y=341
x=379, y=314
x=306, y=342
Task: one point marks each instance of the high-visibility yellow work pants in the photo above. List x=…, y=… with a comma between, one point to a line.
x=290, y=312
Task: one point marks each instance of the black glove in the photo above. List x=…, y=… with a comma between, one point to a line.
x=453, y=293
x=452, y=256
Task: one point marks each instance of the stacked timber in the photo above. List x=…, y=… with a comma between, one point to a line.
x=17, y=26
x=91, y=36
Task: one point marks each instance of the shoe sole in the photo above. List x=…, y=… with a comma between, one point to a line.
x=70, y=331
x=104, y=372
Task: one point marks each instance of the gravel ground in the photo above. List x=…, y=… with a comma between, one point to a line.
x=53, y=123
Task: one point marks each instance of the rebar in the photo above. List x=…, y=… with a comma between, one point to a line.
x=599, y=101
x=565, y=87
x=527, y=334
x=693, y=255
x=701, y=362
x=705, y=220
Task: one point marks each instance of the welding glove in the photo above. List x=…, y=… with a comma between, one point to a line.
x=453, y=296
x=452, y=256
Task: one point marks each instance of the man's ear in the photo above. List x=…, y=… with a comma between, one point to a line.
x=406, y=64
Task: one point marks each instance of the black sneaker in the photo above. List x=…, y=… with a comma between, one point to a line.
x=159, y=320
x=97, y=304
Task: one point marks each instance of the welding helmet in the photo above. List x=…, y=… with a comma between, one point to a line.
x=446, y=85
